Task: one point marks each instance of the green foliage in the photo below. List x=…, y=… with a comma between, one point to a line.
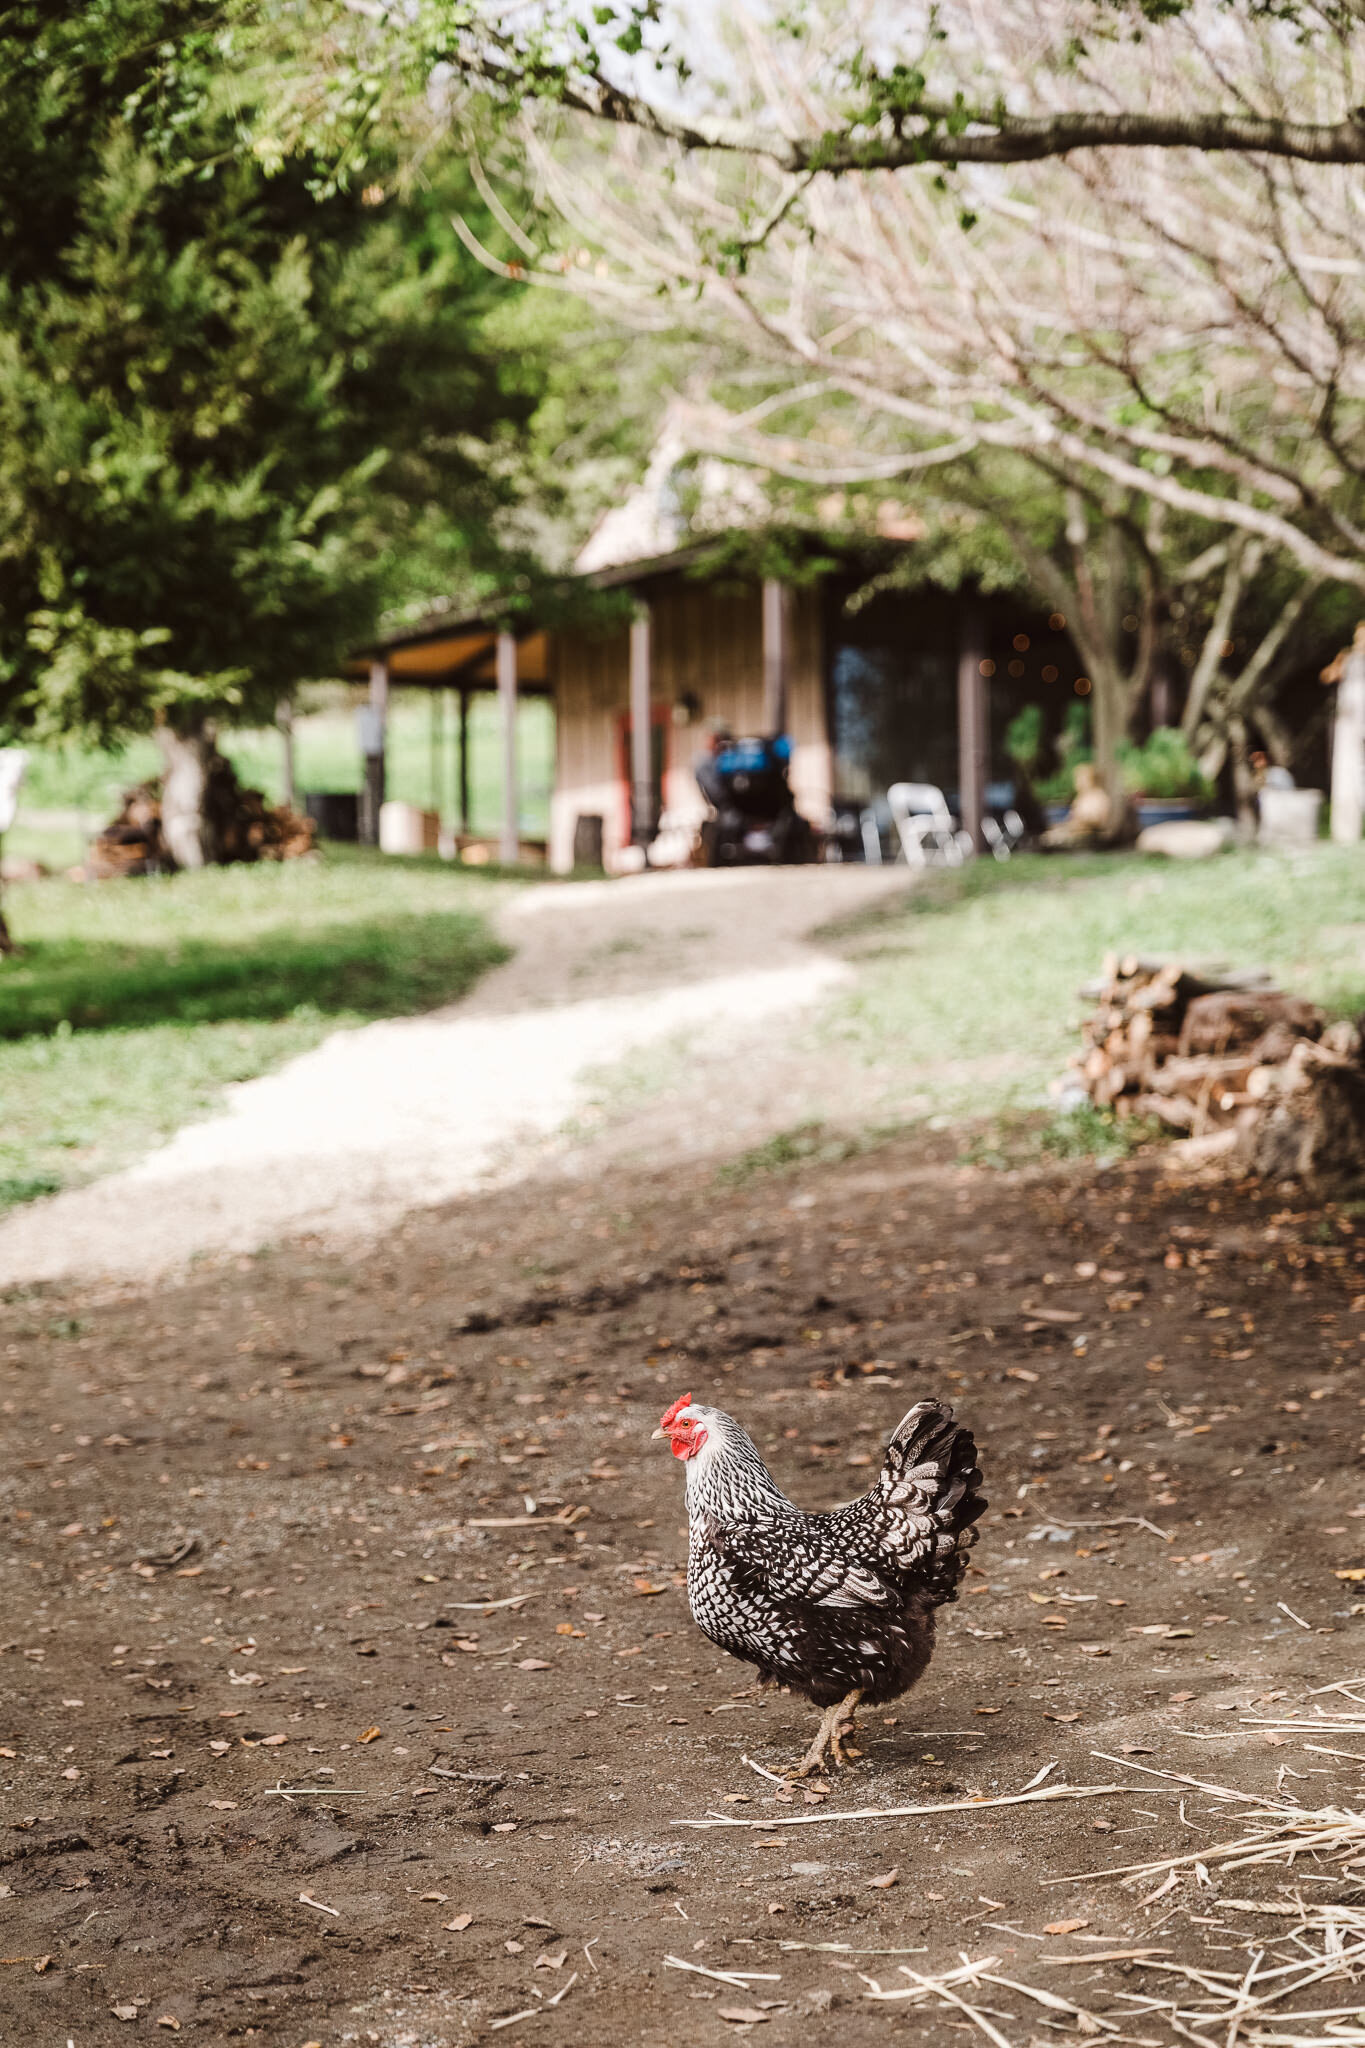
x=1073, y=747
x=236, y=419
x=1024, y=738
x=134, y=1003
x=1163, y=766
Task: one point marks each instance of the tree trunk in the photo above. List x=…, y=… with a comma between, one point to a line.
x=1243, y=780
x=185, y=826
x=7, y=945
x=1108, y=724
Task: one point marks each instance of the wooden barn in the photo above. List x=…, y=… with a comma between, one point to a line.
x=874, y=683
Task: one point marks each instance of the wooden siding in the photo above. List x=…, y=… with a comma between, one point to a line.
x=707, y=643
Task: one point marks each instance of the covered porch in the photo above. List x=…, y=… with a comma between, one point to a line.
x=454, y=660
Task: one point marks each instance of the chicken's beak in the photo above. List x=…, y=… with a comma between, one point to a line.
x=658, y=1433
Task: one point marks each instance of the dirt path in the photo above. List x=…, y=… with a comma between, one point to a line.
x=390, y=1529
x=400, y=1115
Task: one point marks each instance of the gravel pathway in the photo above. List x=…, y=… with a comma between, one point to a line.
x=405, y=1114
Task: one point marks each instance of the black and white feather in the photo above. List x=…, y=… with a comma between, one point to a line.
x=828, y=1602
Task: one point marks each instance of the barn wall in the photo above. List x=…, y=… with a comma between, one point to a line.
x=707, y=643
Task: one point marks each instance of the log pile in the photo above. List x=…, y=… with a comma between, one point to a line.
x=239, y=826
x=1236, y=1068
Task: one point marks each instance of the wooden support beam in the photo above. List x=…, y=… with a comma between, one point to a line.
x=643, y=823
x=973, y=722
x=509, y=844
x=284, y=719
x=437, y=752
x=375, y=731
x=776, y=654
x=464, y=762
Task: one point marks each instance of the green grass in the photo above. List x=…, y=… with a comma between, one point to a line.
x=84, y=781
x=132, y=1004
x=967, y=995
x=806, y=1144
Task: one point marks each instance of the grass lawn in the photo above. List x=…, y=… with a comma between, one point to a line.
x=967, y=992
x=132, y=1003
x=86, y=784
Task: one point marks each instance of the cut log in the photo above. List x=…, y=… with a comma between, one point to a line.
x=238, y=824
x=1240, y=1069
x=1230, y=1018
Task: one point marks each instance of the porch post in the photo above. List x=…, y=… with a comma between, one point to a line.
x=464, y=763
x=973, y=726
x=438, y=733
x=377, y=732
x=509, y=845
x=284, y=719
x=1348, y=748
x=776, y=639
x=643, y=823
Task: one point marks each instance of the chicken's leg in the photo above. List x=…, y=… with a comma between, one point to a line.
x=837, y=1723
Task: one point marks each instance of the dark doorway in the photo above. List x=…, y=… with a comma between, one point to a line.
x=891, y=679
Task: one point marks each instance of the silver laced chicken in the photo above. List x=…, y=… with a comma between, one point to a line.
x=838, y=1606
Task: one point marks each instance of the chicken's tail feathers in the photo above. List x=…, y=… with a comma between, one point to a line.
x=930, y=1473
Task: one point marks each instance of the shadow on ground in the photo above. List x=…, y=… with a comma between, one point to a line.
x=370, y=968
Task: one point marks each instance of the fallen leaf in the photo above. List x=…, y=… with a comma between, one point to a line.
x=514, y=1948
x=503, y=1827
x=644, y=1588
x=273, y=1741
x=1019, y=1372
x=1356, y=1571
x=223, y=1805
x=168, y=2019
x=742, y=2015
x=532, y=1664
x=434, y=1898
x=1048, y=1716
x=1064, y=1926
x=1179, y=1698
x=545, y=1961
x=459, y=1923
x=124, y=2012
x=990, y=1710
x=885, y=1881
x=370, y=1734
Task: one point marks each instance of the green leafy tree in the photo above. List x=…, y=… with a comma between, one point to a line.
x=242, y=410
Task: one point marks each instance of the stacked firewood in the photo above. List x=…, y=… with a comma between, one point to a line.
x=1236, y=1067
x=239, y=826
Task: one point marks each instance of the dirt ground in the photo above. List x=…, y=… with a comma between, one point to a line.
x=390, y=1529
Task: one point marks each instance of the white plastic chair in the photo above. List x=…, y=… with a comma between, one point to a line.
x=1002, y=838
x=928, y=835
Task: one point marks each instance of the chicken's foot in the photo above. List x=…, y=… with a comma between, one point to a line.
x=836, y=1724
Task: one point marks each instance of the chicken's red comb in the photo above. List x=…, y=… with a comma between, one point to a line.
x=672, y=1414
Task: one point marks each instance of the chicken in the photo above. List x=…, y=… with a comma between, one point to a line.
x=839, y=1606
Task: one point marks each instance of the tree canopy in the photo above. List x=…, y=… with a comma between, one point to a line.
x=909, y=82
x=242, y=406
